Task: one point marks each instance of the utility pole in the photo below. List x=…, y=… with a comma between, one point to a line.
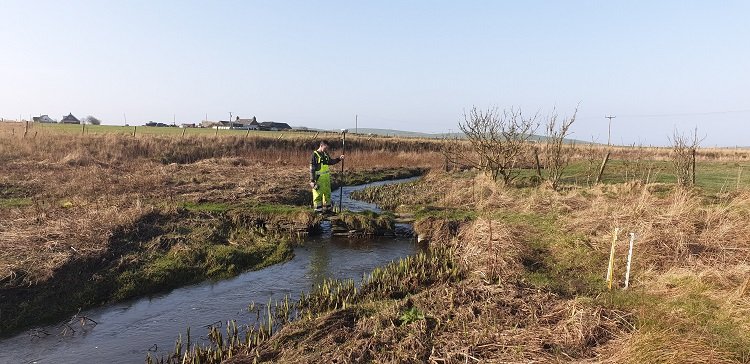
x=230, y=118
x=356, y=121
x=609, y=132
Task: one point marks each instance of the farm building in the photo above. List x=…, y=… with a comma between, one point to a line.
x=248, y=124
x=70, y=119
x=241, y=124
x=273, y=126
x=43, y=119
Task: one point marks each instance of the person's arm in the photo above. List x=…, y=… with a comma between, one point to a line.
x=332, y=161
x=313, y=168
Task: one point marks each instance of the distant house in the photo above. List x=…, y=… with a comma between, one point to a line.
x=159, y=125
x=70, y=119
x=187, y=125
x=273, y=126
x=239, y=124
x=43, y=119
x=228, y=124
x=247, y=124
x=209, y=124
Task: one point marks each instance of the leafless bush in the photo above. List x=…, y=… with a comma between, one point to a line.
x=683, y=157
x=590, y=153
x=558, y=152
x=639, y=165
x=498, y=140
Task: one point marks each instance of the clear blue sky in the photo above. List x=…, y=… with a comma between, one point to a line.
x=410, y=65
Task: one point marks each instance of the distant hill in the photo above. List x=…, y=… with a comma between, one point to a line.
x=416, y=134
x=402, y=133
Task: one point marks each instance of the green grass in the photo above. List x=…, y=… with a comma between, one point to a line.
x=8, y=203
x=205, y=207
x=216, y=261
x=277, y=209
x=688, y=310
x=712, y=176
x=150, y=130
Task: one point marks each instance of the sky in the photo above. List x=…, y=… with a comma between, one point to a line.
x=658, y=66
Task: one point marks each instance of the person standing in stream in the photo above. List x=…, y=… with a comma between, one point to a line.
x=320, y=177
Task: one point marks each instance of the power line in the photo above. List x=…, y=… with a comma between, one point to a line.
x=687, y=114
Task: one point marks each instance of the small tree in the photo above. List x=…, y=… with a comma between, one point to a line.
x=683, y=157
x=557, y=152
x=498, y=141
x=92, y=120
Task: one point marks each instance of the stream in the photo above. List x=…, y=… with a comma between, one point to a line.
x=127, y=331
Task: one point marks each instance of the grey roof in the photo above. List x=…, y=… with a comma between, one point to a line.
x=271, y=124
x=70, y=117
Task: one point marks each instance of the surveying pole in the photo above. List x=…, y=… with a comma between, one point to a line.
x=343, y=152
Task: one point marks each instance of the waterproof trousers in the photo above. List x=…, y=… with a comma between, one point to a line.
x=322, y=195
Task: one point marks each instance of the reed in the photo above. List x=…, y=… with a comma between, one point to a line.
x=405, y=276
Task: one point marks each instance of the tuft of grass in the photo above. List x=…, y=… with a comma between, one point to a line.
x=411, y=315
x=364, y=223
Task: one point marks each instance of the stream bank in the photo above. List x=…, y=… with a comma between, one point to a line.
x=172, y=246
x=315, y=258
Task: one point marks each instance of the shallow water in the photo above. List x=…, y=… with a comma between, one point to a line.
x=126, y=332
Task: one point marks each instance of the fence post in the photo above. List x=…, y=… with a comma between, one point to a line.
x=601, y=169
x=134, y=129
x=538, y=165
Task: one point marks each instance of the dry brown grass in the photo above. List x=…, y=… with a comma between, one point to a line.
x=76, y=189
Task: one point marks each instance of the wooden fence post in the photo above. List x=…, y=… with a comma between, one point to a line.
x=601, y=169
x=538, y=164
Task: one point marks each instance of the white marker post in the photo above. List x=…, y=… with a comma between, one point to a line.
x=630, y=258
